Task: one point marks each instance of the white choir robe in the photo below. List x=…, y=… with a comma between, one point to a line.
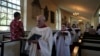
x=45, y=42
x=73, y=35
x=62, y=45
x=77, y=35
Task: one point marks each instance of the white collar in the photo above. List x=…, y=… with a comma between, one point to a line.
x=41, y=29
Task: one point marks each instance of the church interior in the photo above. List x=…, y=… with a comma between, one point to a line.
x=85, y=14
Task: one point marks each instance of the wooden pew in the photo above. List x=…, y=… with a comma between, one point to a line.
x=90, y=45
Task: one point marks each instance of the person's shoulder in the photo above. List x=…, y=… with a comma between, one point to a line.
x=48, y=28
x=20, y=22
x=34, y=28
x=12, y=22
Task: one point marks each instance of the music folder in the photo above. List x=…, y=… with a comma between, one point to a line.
x=63, y=33
x=77, y=30
x=35, y=37
x=69, y=29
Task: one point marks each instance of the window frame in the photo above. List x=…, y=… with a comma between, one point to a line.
x=7, y=23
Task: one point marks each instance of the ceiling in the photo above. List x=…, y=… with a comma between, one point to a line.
x=86, y=8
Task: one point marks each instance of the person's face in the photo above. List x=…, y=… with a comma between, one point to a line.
x=40, y=22
x=63, y=27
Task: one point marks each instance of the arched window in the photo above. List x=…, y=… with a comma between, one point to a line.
x=58, y=19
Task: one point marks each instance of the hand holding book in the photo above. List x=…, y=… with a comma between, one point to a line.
x=63, y=33
x=35, y=37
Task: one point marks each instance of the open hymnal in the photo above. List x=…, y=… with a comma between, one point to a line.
x=69, y=29
x=63, y=33
x=35, y=37
x=77, y=30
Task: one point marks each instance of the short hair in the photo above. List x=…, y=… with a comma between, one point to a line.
x=16, y=14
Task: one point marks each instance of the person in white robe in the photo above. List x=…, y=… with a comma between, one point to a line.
x=77, y=32
x=62, y=42
x=42, y=46
x=72, y=32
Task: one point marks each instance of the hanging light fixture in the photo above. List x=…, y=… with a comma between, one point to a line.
x=75, y=13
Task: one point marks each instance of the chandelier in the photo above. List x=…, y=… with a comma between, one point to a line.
x=75, y=13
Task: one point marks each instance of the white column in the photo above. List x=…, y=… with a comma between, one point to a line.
x=25, y=14
x=58, y=19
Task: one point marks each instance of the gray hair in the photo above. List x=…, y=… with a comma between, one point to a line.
x=41, y=17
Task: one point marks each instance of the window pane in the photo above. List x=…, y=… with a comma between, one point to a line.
x=0, y=2
x=10, y=16
x=14, y=1
x=3, y=19
x=9, y=5
x=14, y=11
x=4, y=3
x=0, y=8
x=4, y=28
x=18, y=2
x=4, y=0
x=10, y=11
x=14, y=6
x=4, y=9
x=8, y=22
x=3, y=22
x=18, y=7
x=3, y=16
x=9, y=0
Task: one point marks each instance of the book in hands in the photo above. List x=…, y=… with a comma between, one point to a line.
x=77, y=30
x=69, y=29
x=35, y=37
x=63, y=33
